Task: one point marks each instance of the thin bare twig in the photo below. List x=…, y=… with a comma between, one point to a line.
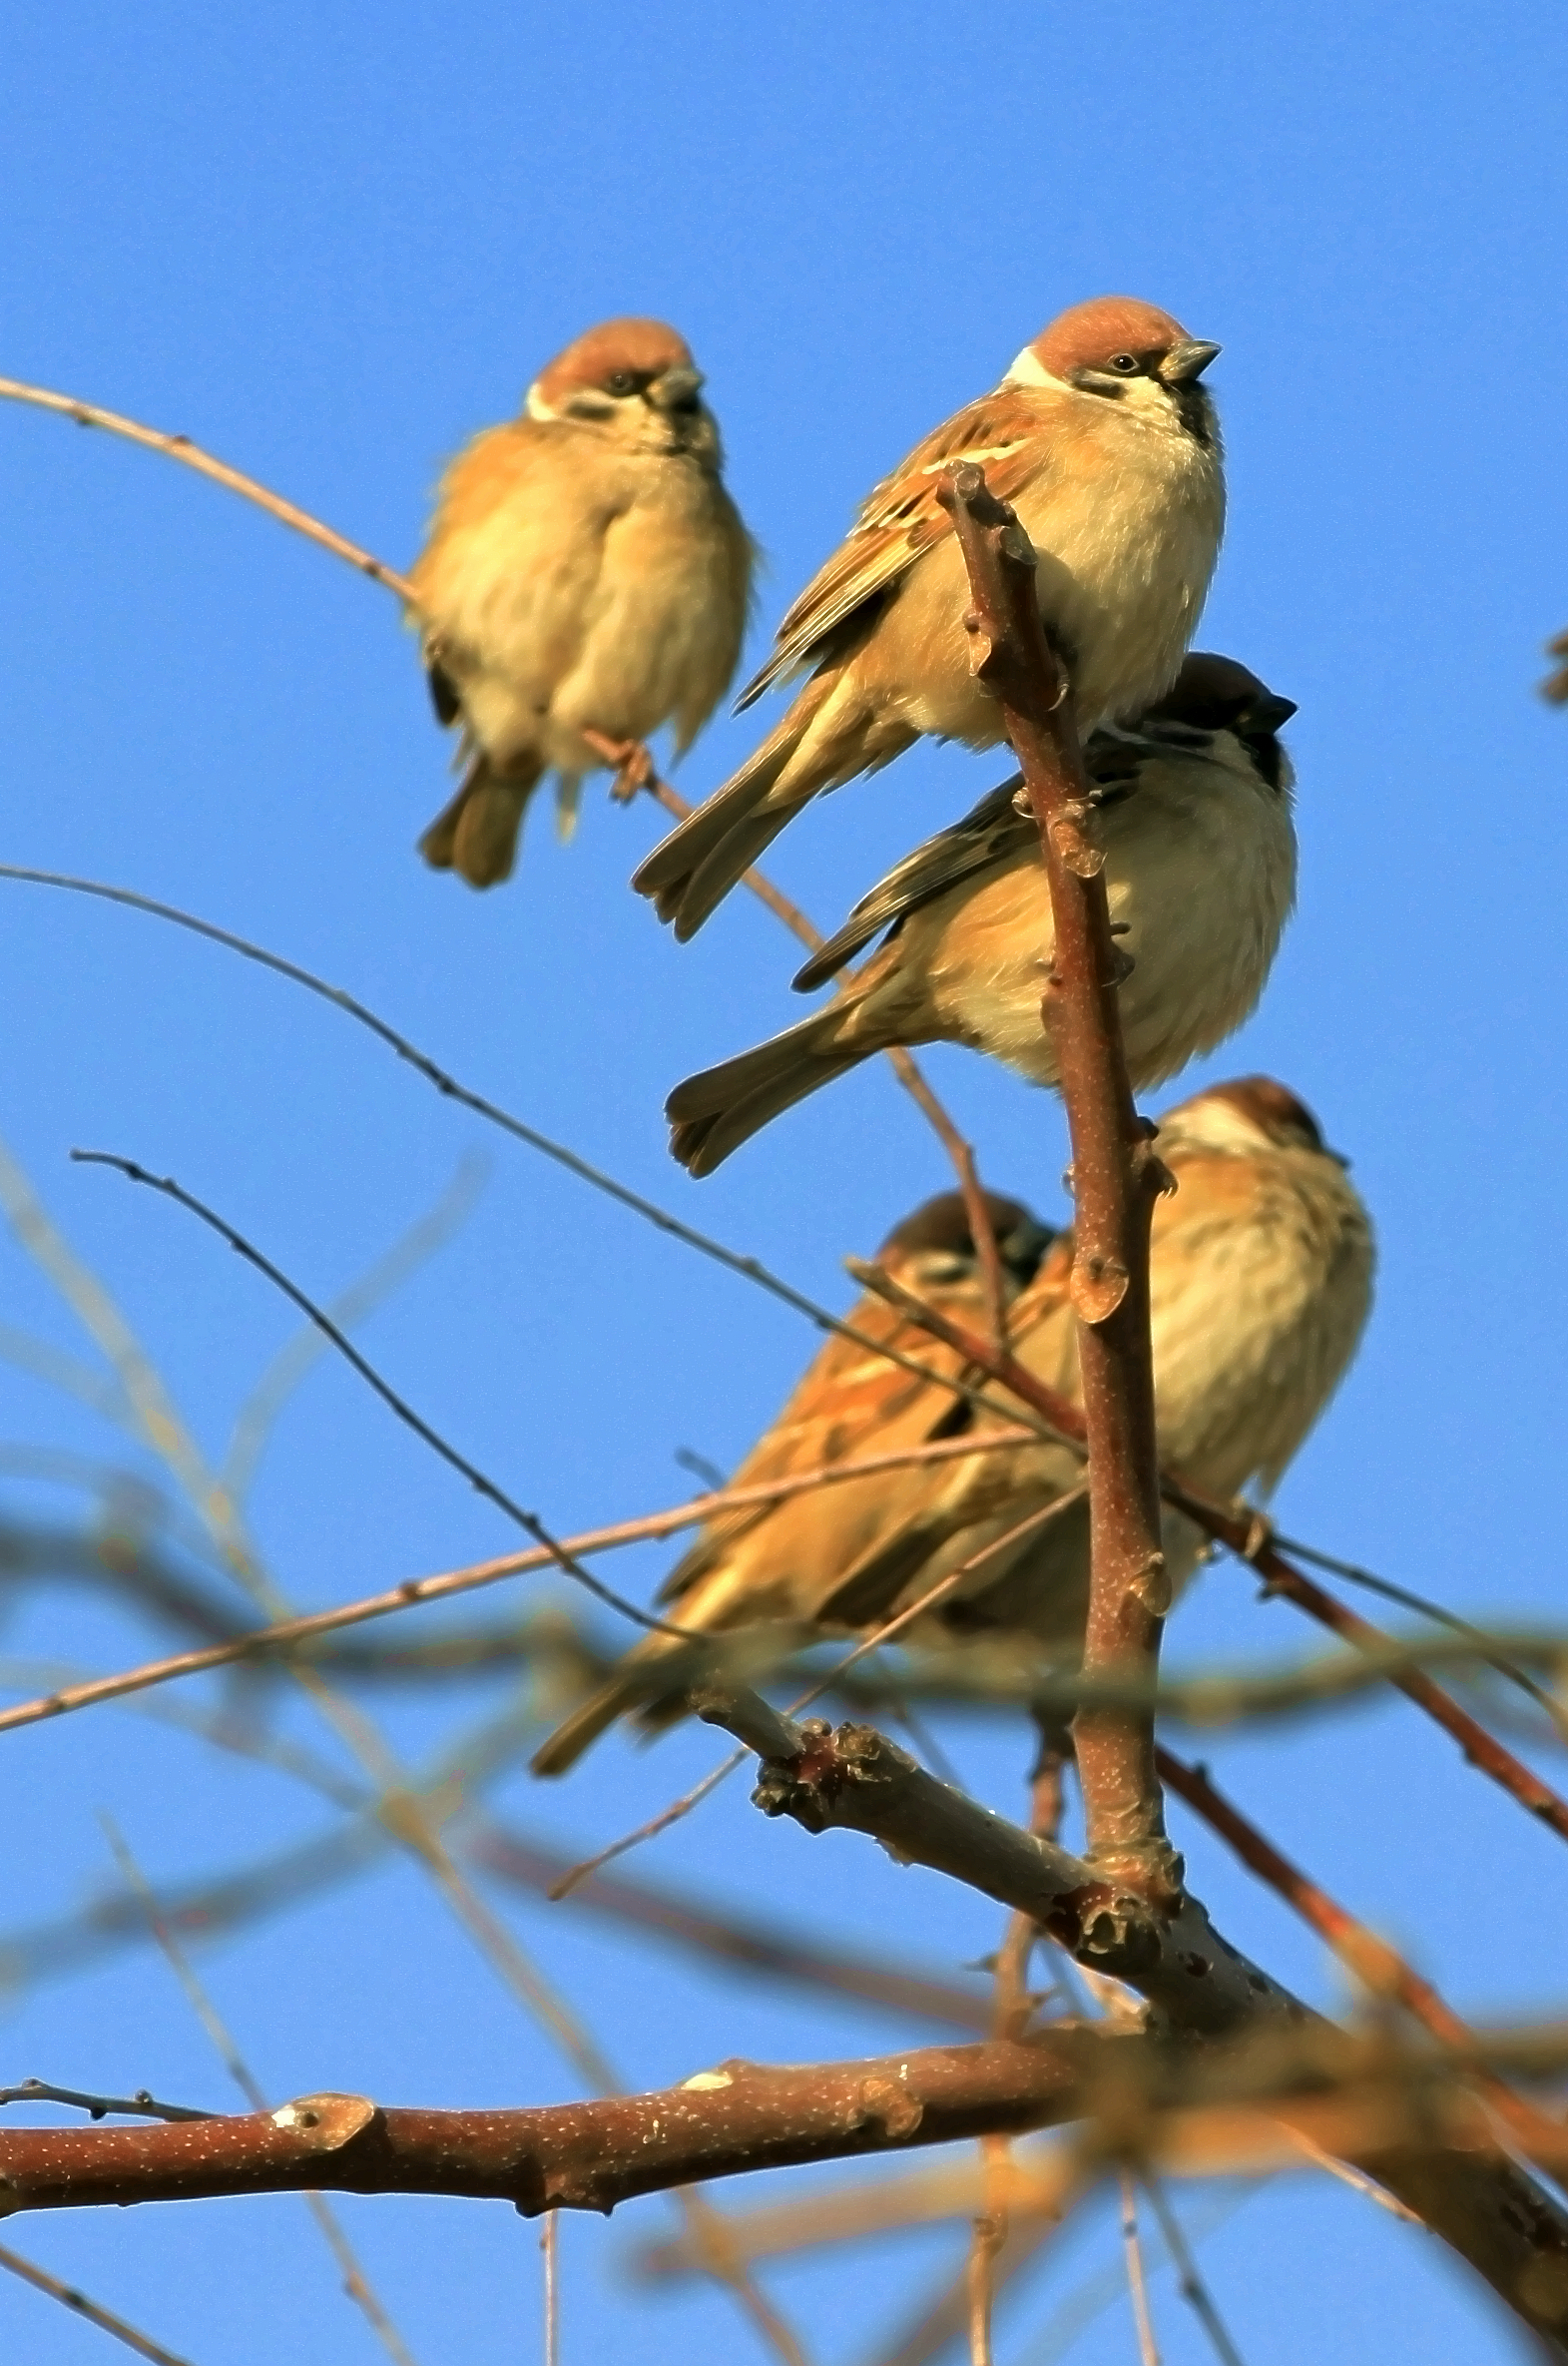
x=140, y=2105
x=42, y=2281
x=284, y=1634
x=1132, y=2260
x=482, y=1485
x=675, y=1813
x=180, y=447
x=1190, y=2284
x=259, y=1413
x=750, y=1269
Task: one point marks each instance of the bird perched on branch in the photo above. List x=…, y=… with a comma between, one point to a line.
x=1193, y=811
x=1105, y=445
x=1259, y=1281
x=585, y=580
x=853, y=1402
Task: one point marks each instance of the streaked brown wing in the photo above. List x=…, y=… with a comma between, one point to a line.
x=901, y=518
x=992, y=833
x=905, y=1555
x=850, y=1402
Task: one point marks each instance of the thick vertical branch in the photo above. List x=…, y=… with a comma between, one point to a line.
x=1116, y=1179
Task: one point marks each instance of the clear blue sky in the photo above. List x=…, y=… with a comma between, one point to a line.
x=330, y=244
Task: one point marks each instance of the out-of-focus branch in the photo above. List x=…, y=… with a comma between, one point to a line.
x=1037, y=2181
x=356, y=2283
x=1116, y=1179
x=1373, y=1962
x=766, y=1950
x=88, y=2310
x=1555, y=686
x=287, y=1635
x=1247, y=1537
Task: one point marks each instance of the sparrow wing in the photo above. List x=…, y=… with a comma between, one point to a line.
x=992, y=834
x=909, y=1550
x=902, y=517
x=850, y=1402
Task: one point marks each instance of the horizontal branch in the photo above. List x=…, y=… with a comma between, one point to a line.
x=1404, y=2115
x=586, y=2156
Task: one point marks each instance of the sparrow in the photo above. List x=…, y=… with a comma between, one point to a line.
x=1191, y=805
x=850, y=1403
x=1261, y=1279
x=1105, y=445
x=586, y=573
x=1261, y=1275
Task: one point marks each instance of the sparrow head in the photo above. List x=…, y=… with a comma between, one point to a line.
x=1217, y=693
x=1125, y=351
x=634, y=382
x=934, y=1246
x=1243, y=1115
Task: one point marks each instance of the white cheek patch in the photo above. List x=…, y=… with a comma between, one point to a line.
x=1029, y=370
x=536, y=406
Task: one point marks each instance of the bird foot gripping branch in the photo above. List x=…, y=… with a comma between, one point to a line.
x=632, y=761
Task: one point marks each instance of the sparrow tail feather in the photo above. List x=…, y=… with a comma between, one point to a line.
x=692, y=870
x=582, y=1729
x=713, y=1113
x=477, y=834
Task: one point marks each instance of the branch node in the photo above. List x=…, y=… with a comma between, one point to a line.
x=327, y=2122
x=1080, y=855
x=1098, y=1286
x=884, y=2101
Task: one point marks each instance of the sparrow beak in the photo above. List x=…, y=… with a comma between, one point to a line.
x=675, y=389
x=1186, y=361
x=1270, y=711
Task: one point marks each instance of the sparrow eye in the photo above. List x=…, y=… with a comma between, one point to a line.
x=621, y=382
x=1124, y=365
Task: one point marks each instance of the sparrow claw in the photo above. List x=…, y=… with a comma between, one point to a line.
x=631, y=762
